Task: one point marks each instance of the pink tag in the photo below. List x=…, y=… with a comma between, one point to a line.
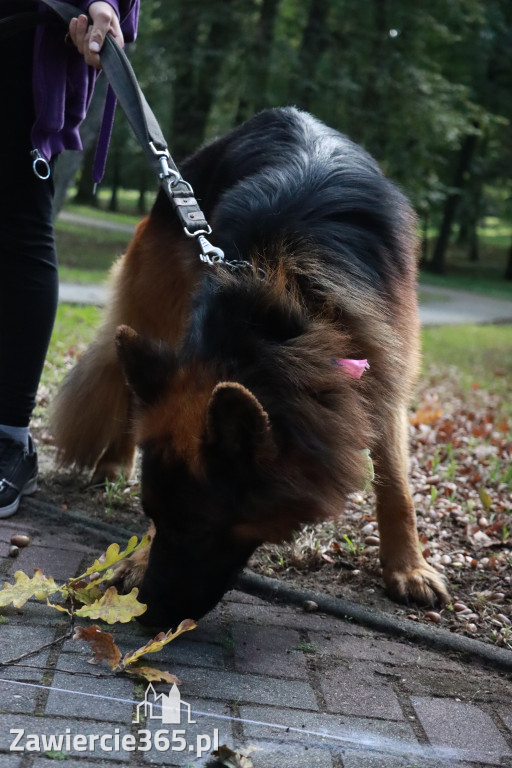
x=354, y=368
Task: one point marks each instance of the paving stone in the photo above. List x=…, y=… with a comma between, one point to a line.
x=370, y=760
x=17, y=526
x=184, y=652
x=358, y=690
x=348, y=734
x=506, y=716
x=35, y=613
x=273, y=755
x=70, y=762
x=18, y=698
x=229, y=686
x=97, y=706
x=379, y=648
x=262, y=652
x=235, y=596
x=9, y=761
x=284, y=616
x=60, y=563
x=199, y=734
x=57, y=726
x=15, y=640
x=461, y=726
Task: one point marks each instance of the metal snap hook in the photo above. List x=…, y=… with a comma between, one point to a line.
x=209, y=253
x=40, y=166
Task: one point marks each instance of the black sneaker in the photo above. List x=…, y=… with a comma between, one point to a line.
x=18, y=473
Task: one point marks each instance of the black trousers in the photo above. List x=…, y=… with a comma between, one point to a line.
x=28, y=261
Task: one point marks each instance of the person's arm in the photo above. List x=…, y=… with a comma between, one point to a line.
x=105, y=20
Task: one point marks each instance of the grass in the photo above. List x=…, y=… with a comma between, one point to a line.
x=75, y=327
x=86, y=254
x=482, y=353
x=128, y=212
x=484, y=276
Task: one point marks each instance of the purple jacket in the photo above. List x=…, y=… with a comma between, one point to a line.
x=63, y=85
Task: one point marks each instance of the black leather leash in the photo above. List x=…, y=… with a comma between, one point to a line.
x=146, y=129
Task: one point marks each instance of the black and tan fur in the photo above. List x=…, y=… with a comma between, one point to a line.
x=247, y=427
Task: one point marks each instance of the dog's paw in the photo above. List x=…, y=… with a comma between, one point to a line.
x=422, y=585
x=130, y=572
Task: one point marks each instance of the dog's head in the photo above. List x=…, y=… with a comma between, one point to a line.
x=220, y=475
x=207, y=453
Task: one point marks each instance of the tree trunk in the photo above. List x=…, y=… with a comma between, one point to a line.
x=314, y=41
x=195, y=86
x=254, y=97
x=424, y=240
x=508, y=270
x=437, y=263
x=116, y=182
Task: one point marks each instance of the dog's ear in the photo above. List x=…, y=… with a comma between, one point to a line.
x=148, y=365
x=238, y=429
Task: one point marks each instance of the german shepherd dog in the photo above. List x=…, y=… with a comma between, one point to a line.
x=227, y=378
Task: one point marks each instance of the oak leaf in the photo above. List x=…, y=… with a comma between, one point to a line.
x=25, y=587
x=153, y=675
x=234, y=759
x=158, y=642
x=111, y=557
x=102, y=644
x=113, y=607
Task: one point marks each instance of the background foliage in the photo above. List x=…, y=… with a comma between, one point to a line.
x=425, y=87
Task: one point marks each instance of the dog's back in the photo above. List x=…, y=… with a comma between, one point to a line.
x=284, y=174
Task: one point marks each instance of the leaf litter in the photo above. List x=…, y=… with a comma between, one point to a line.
x=461, y=478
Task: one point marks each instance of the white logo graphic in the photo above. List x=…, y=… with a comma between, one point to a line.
x=169, y=710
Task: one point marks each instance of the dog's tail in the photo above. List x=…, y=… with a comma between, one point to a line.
x=90, y=417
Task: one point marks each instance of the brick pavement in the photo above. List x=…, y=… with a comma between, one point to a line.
x=306, y=690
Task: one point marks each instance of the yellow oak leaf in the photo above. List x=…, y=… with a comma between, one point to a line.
x=111, y=557
x=113, y=607
x=85, y=593
x=153, y=675
x=25, y=587
x=158, y=642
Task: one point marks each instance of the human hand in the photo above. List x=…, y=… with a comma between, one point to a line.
x=89, y=39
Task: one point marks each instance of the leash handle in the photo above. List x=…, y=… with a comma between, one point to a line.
x=147, y=131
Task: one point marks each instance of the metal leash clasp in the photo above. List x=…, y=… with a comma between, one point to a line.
x=166, y=172
x=209, y=253
x=40, y=166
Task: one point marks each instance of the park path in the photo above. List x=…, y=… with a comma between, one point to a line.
x=448, y=307
x=305, y=689
x=438, y=306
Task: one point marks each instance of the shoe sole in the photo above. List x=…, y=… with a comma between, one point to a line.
x=29, y=488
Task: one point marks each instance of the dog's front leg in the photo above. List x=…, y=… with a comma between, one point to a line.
x=407, y=575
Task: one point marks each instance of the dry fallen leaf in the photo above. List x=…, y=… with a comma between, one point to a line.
x=158, y=642
x=102, y=643
x=153, y=675
x=234, y=759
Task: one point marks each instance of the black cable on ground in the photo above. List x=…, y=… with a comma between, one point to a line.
x=440, y=639
x=275, y=590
